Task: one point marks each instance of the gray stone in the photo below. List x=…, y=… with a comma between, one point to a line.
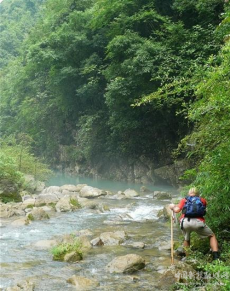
x=72, y=257
x=25, y=285
x=130, y=193
x=160, y=195
x=37, y=214
x=20, y=222
x=126, y=264
x=44, y=199
x=82, y=283
x=113, y=238
x=63, y=205
x=91, y=192
x=96, y=242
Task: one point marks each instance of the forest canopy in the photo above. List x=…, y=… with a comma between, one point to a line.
x=100, y=80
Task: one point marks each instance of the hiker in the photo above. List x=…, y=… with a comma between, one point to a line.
x=192, y=219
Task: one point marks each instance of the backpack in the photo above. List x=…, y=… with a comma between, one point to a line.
x=194, y=207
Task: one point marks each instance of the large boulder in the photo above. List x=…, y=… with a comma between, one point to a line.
x=6, y=210
x=72, y=257
x=91, y=192
x=181, y=272
x=64, y=204
x=82, y=283
x=126, y=264
x=44, y=199
x=113, y=238
x=51, y=189
x=11, y=209
x=167, y=212
x=37, y=214
x=130, y=193
x=69, y=188
x=20, y=222
x=161, y=195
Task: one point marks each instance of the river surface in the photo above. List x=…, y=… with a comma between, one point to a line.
x=20, y=259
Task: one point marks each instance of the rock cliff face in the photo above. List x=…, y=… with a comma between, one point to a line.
x=141, y=170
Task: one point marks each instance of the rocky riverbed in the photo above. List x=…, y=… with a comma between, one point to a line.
x=125, y=240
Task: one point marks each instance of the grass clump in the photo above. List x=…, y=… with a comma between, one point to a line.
x=30, y=217
x=75, y=203
x=62, y=249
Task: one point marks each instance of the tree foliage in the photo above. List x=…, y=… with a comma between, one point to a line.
x=211, y=136
x=106, y=78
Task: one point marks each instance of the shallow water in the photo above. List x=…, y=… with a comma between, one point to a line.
x=20, y=259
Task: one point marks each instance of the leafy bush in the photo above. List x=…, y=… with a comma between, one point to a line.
x=21, y=159
x=8, y=169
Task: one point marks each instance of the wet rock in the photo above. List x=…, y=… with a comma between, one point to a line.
x=137, y=245
x=165, y=246
x=181, y=272
x=20, y=222
x=44, y=199
x=113, y=238
x=87, y=203
x=72, y=257
x=144, y=189
x=85, y=243
x=25, y=285
x=167, y=212
x=96, y=242
x=28, y=202
x=11, y=209
x=80, y=186
x=130, y=193
x=91, y=192
x=37, y=214
x=160, y=195
x=64, y=205
x=84, y=232
x=82, y=283
x=51, y=189
x=119, y=196
x=69, y=188
x=126, y=264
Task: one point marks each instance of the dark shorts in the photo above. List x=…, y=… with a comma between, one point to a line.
x=196, y=225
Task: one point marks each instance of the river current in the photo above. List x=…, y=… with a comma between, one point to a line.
x=21, y=259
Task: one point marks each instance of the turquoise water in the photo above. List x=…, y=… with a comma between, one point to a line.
x=61, y=179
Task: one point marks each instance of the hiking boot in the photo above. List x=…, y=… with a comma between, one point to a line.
x=215, y=255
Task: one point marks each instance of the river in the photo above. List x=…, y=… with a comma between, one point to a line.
x=20, y=259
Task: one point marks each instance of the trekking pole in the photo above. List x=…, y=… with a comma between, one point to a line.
x=172, y=259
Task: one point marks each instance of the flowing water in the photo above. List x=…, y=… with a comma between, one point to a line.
x=20, y=259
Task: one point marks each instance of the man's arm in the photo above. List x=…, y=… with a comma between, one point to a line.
x=179, y=207
x=175, y=208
